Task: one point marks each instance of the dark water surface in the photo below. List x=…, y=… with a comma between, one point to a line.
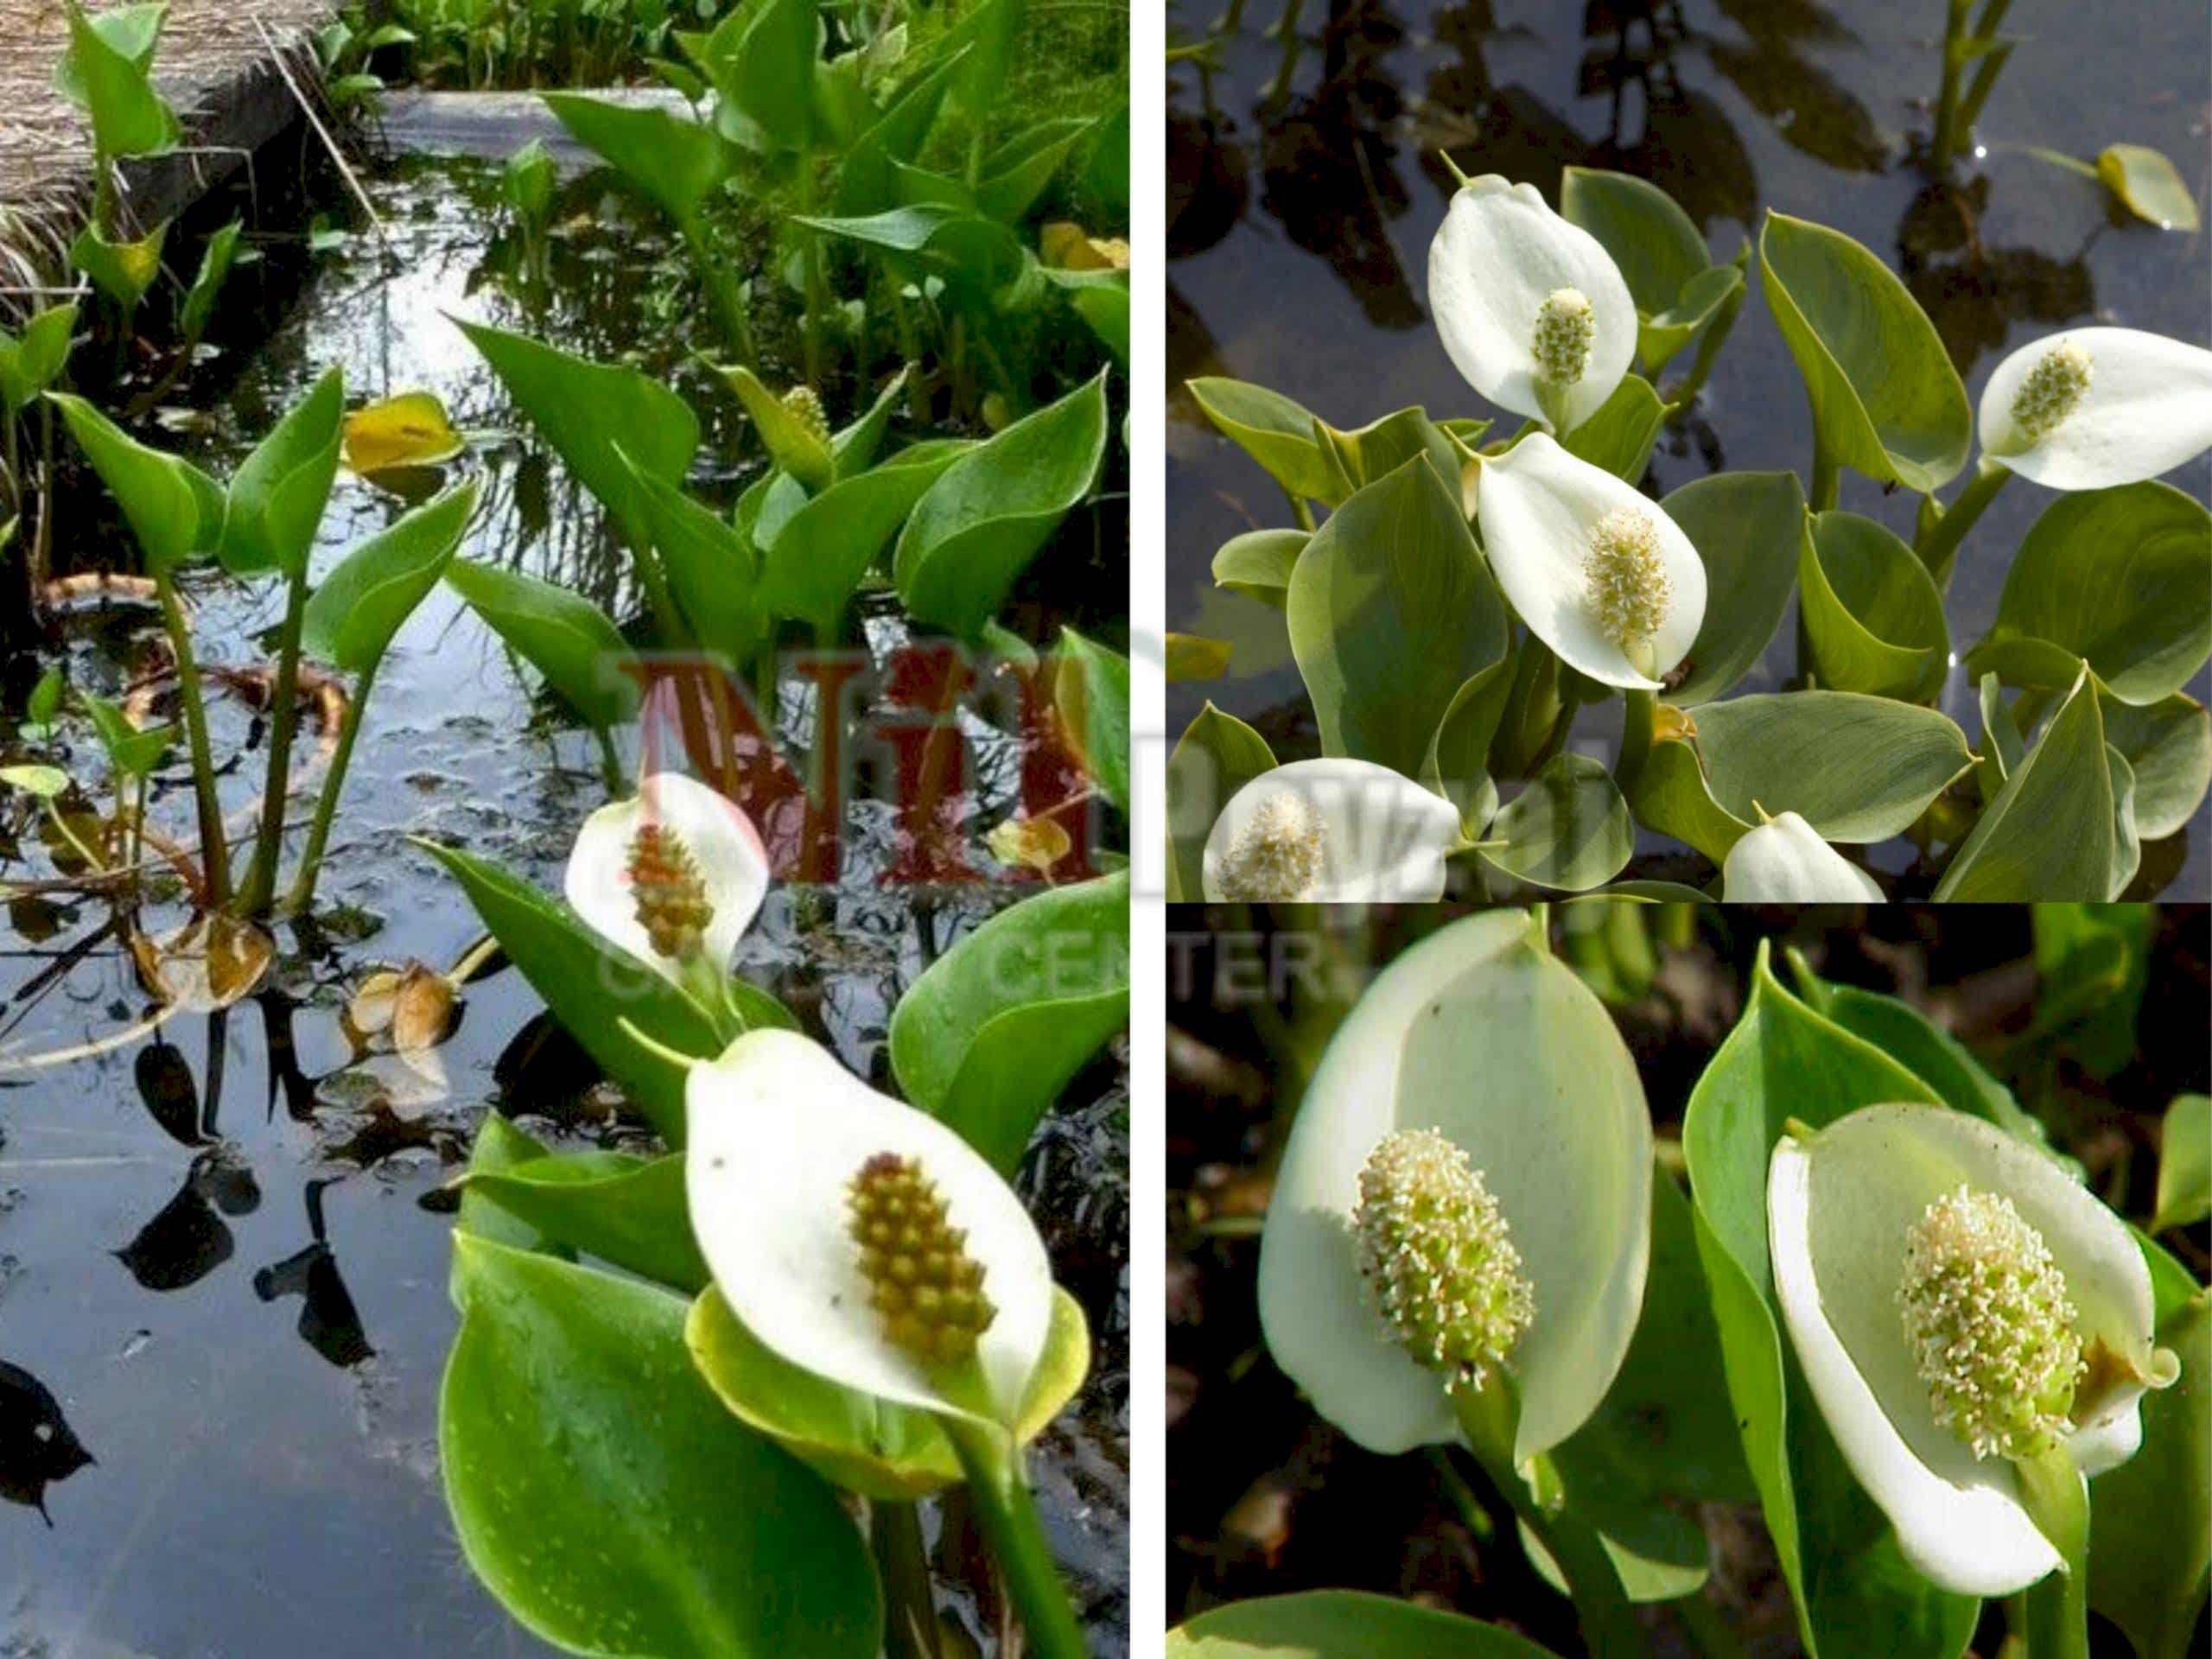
x=223, y=1252
x=1300, y=228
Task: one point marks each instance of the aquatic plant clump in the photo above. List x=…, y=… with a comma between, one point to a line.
x=1278, y=855
x=1628, y=589
x=1985, y=1308
x=925, y=1286
x=671, y=895
x=1438, y=1258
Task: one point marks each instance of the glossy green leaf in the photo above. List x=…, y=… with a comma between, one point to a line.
x=611, y=1529
x=761, y=60
x=1091, y=693
x=2001, y=746
x=528, y=181
x=866, y=174
x=626, y=1211
x=107, y=69
x=672, y=161
x=2116, y=578
x=1870, y=610
x=366, y=597
x=2051, y=832
x=1745, y=527
x=1670, y=794
x=995, y=1027
x=42, y=782
x=174, y=509
x=1275, y=431
x=713, y=571
x=1105, y=307
x=853, y=1441
x=2093, y=965
x=817, y=558
x=1656, y=244
x=121, y=271
x=31, y=362
x=1369, y=454
x=1391, y=611
x=215, y=261
x=566, y=638
x=131, y=751
x=1783, y=1061
x=583, y=411
x=2185, y=1163
x=1017, y=172
x=594, y=988
x=2169, y=746
x=1618, y=437
x=1568, y=829
x=2147, y=185
x=277, y=495
x=498, y=1145
x=1341, y=1625
x=1709, y=301
x=989, y=513
x=1217, y=755
x=854, y=447
x=1885, y=398
x=1258, y=563
x=1856, y=768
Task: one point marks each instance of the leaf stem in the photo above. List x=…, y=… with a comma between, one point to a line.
x=1939, y=548
x=1008, y=1518
x=284, y=719
x=301, y=898
x=902, y=1563
x=2056, y=1499
x=1639, y=713
x=214, y=848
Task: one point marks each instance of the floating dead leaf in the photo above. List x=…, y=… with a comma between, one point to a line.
x=370, y=1012
x=1030, y=844
x=409, y=430
x=421, y=1012
x=1067, y=246
x=208, y=963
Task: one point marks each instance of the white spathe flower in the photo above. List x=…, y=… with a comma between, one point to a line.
x=1594, y=566
x=1330, y=832
x=1784, y=861
x=1531, y=309
x=1865, y=1221
x=1478, y=1065
x=778, y=1133
x=2092, y=407
x=675, y=873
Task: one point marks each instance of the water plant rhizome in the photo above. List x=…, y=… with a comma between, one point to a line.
x=1516, y=660
x=1863, y=1285
x=861, y=652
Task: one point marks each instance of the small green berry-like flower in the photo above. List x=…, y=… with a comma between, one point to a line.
x=2053, y=389
x=1991, y=1327
x=926, y=1289
x=1628, y=590
x=1278, y=855
x=1437, y=1257
x=806, y=404
x=671, y=895
x=1566, y=328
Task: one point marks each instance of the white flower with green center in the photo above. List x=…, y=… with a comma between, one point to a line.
x=861, y=1239
x=1467, y=1189
x=1784, y=861
x=1330, y=831
x=673, y=876
x=1531, y=309
x=1956, y=1303
x=2093, y=408
x=1595, y=567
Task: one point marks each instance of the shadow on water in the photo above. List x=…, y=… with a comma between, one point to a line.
x=1307, y=180
x=222, y=1247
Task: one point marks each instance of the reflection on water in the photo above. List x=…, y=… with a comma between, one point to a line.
x=1307, y=178
x=223, y=1248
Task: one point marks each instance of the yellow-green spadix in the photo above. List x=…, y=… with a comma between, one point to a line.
x=1956, y=1302
x=1467, y=1190
x=2093, y=408
x=674, y=875
x=1594, y=566
x=1330, y=831
x=858, y=1238
x=1531, y=309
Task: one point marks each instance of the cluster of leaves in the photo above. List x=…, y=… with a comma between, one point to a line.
x=1668, y=1437
x=2089, y=744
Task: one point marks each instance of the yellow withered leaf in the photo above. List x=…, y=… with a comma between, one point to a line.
x=1036, y=843
x=409, y=430
x=1065, y=247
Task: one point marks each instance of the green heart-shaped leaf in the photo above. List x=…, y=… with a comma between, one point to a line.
x=1744, y=526
x=1217, y=755
x=1870, y=610
x=2052, y=831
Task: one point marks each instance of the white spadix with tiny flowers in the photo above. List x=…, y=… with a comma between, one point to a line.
x=673, y=876
x=1594, y=566
x=2093, y=408
x=1467, y=1191
x=1330, y=831
x=1957, y=1304
x=858, y=1238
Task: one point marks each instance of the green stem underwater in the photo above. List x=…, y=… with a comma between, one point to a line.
x=1009, y=1517
x=214, y=848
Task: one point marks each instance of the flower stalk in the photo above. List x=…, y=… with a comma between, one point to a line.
x=1008, y=1514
